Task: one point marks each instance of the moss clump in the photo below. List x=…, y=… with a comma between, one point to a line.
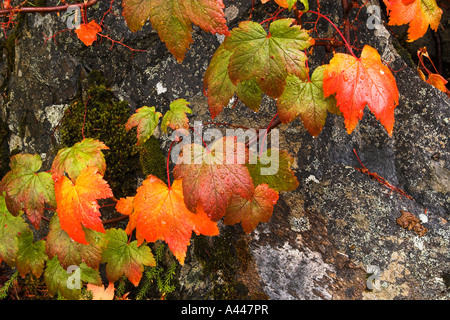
x=152, y=159
x=102, y=117
x=222, y=258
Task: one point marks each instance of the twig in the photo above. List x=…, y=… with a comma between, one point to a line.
x=87, y=4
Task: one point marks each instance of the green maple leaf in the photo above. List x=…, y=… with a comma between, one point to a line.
x=57, y=279
x=305, y=98
x=31, y=255
x=123, y=258
x=173, y=20
x=277, y=174
x=146, y=119
x=70, y=252
x=73, y=160
x=26, y=189
x=176, y=117
x=267, y=57
x=249, y=93
x=11, y=228
x=216, y=83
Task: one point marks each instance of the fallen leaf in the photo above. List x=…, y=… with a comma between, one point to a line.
x=146, y=119
x=410, y=222
x=100, y=293
x=175, y=117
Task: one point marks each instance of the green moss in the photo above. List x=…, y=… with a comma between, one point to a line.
x=152, y=159
x=222, y=257
x=104, y=119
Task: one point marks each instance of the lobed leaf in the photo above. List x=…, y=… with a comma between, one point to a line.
x=26, y=189
x=124, y=258
x=360, y=82
x=146, y=119
x=176, y=118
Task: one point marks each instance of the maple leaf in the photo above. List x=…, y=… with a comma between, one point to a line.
x=87, y=32
x=210, y=177
x=357, y=82
x=26, y=189
x=305, y=98
x=437, y=81
x=11, y=228
x=123, y=258
x=173, y=19
x=146, y=119
x=100, y=293
x=251, y=212
x=418, y=13
x=176, y=117
x=77, y=203
x=87, y=153
x=31, y=255
x=219, y=89
x=70, y=252
x=267, y=58
x=159, y=213
x=57, y=279
x=276, y=172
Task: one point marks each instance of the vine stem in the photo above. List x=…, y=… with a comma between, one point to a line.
x=349, y=48
x=87, y=4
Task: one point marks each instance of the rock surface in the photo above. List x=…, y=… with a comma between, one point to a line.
x=325, y=237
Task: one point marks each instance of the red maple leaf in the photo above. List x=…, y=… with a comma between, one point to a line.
x=360, y=82
x=77, y=205
x=87, y=32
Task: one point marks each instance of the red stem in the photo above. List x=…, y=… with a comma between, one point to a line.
x=349, y=48
x=267, y=132
x=167, y=165
x=87, y=4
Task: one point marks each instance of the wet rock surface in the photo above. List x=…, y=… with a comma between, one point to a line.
x=325, y=237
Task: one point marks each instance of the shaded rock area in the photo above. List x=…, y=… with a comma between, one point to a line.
x=326, y=238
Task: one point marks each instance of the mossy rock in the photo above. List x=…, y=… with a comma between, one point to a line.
x=101, y=116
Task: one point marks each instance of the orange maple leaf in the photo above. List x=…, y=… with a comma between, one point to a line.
x=100, y=293
x=418, y=13
x=87, y=32
x=77, y=205
x=357, y=82
x=159, y=213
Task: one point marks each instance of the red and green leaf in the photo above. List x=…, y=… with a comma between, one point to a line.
x=146, y=120
x=26, y=189
x=73, y=160
x=124, y=258
x=175, y=117
x=267, y=58
x=11, y=228
x=273, y=168
x=31, y=255
x=305, y=98
x=251, y=212
x=360, y=82
x=210, y=177
x=173, y=20
x=70, y=252
x=57, y=279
